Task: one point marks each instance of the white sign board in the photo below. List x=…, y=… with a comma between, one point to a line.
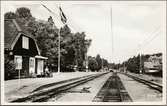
x=18, y=62
x=32, y=65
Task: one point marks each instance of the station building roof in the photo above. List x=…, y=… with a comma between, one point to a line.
x=12, y=31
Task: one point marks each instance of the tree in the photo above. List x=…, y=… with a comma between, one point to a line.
x=24, y=17
x=10, y=15
x=81, y=46
x=92, y=64
x=47, y=40
x=9, y=68
x=105, y=63
x=23, y=12
x=99, y=61
x=134, y=64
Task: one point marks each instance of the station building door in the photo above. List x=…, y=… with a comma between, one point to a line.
x=40, y=66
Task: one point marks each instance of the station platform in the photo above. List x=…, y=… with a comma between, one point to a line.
x=20, y=88
x=151, y=78
x=138, y=91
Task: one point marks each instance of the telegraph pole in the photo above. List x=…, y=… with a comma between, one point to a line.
x=86, y=63
x=102, y=64
x=140, y=60
x=140, y=66
x=112, y=37
x=59, y=51
x=119, y=66
x=58, y=36
x=124, y=67
x=86, y=60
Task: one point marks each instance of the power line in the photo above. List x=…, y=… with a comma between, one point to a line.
x=156, y=35
x=150, y=39
x=112, y=35
x=145, y=45
x=147, y=39
x=151, y=35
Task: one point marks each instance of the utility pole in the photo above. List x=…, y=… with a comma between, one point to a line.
x=58, y=35
x=102, y=64
x=124, y=67
x=86, y=59
x=112, y=37
x=86, y=63
x=140, y=60
x=140, y=66
x=59, y=51
x=119, y=66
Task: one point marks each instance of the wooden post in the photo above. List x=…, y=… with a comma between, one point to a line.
x=19, y=79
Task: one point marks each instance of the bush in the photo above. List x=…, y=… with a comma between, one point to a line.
x=9, y=68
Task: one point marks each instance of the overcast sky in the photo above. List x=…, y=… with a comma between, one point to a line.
x=133, y=24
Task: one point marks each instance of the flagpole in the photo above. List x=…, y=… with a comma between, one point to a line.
x=59, y=51
x=112, y=37
x=63, y=19
x=59, y=44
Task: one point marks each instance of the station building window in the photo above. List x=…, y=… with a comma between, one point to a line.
x=25, y=42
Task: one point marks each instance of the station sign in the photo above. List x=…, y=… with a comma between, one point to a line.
x=18, y=62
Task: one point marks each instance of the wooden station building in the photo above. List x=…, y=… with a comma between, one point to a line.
x=21, y=48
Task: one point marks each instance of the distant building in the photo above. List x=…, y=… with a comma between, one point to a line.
x=21, y=48
x=153, y=64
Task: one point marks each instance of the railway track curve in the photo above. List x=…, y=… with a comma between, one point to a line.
x=43, y=95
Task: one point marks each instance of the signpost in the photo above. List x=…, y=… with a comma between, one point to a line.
x=18, y=63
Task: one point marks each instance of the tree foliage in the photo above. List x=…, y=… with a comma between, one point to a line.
x=92, y=64
x=10, y=15
x=134, y=64
x=96, y=63
x=23, y=12
x=99, y=61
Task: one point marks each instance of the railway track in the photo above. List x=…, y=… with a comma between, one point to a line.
x=44, y=93
x=112, y=91
x=153, y=85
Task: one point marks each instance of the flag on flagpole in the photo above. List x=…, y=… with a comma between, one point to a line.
x=62, y=16
x=56, y=17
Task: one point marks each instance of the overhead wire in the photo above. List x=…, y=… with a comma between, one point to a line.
x=147, y=41
x=150, y=35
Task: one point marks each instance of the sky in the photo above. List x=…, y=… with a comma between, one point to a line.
x=119, y=30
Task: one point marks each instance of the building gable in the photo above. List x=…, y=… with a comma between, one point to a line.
x=13, y=31
x=19, y=48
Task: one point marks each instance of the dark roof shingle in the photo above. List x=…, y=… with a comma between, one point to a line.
x=10, y=33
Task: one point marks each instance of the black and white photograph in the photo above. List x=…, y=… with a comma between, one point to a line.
x=83, y=52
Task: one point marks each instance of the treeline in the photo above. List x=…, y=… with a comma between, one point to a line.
x=134, y=64
x=97, y=63
x=73, y=45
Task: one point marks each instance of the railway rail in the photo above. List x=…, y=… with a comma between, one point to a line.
x=113, y=91
x=153, y=85
x=44, y=93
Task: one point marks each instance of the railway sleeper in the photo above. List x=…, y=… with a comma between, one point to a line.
x=113, y=91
